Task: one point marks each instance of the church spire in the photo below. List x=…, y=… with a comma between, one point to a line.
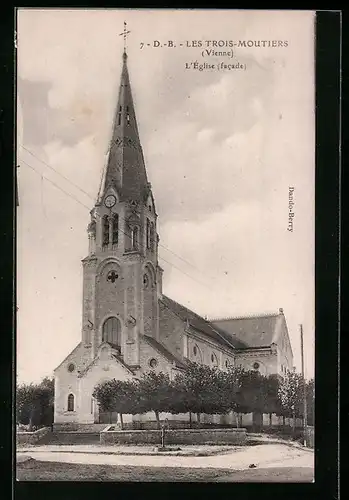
x=125, y=168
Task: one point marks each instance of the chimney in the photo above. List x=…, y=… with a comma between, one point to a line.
x=281, y=311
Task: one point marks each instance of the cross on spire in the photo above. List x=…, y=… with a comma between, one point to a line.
x=124, y=34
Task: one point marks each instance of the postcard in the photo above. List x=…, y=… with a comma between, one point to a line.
x=166, y=244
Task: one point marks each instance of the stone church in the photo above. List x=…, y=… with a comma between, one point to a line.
x=129, y=326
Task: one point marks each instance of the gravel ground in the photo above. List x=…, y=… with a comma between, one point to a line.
x=264, y=455
x=181, y=450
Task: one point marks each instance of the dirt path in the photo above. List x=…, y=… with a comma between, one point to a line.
x=263, y=456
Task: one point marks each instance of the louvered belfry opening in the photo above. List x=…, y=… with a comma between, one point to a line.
x=115, y=229
x=105, y=227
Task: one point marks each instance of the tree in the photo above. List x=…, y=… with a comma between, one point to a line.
x=310, y=391
x=200, y=389
x=291, y=395
x=178, y=403
x=27, y=404
x=154, y=392
x=34, y=403
x=116, y=395
x=46, y=400
x=241, y=391
x=252, y=394
x=271, y=396
x=104, y=394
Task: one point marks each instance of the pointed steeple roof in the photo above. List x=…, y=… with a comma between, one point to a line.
x=125, y=168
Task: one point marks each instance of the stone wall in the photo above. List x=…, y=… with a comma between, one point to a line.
x=76, y=427
x=175, y=436
x=266, y=358
x=146, y=353
x=201, y=350
x=31, y=437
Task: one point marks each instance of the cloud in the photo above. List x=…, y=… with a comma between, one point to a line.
x=203, y=173
x=218, y=155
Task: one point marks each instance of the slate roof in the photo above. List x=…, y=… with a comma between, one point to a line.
x=164, y=351
x=257, y=331
x=125, y=151
x=201, y=324
x=239, y=333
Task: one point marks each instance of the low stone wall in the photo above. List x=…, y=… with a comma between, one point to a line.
x=76, y=427
x=174, y=436
x=31, y=437
x=153, y=425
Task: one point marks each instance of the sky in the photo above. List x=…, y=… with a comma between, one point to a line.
x=222, y=148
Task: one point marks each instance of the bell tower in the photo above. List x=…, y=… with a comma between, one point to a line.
x=121, y=275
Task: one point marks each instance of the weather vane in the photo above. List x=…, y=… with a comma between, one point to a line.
x=124, y=34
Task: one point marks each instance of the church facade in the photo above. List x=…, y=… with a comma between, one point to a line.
x=129, y=326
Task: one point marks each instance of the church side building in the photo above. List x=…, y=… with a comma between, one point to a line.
x=128, y=325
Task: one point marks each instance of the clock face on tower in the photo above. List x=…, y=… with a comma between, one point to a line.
x=110, y=201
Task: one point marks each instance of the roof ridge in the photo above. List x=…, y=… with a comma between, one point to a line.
x=210, y=320
x=223, y=335
x=187, y=308
x=246, y=316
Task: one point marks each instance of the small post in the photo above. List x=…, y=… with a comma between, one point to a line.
x=305, y=426
x=162, y=436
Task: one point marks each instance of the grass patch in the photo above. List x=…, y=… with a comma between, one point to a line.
x=272, y=475
x=33, y=470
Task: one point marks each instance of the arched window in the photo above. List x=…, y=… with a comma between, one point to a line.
x=197, y=357
x=115, y=229
x=134, y=238
x=214, y=359
x=71, y=402
x=105, y=227
x=112, y=331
